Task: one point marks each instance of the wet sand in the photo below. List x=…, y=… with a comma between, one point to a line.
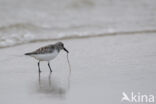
x=102, y=68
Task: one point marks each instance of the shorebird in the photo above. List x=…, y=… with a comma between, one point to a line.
x=47, y=53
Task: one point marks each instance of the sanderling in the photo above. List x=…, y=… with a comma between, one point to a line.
x=47, y=53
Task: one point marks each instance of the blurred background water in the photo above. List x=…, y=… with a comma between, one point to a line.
x=24, y=21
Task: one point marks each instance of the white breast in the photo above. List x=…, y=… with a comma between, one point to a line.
x=46, y=57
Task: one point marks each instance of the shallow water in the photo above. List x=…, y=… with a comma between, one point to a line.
x=122, y=63
x=22, y=21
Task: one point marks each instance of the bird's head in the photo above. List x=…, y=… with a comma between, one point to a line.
x=60, y=45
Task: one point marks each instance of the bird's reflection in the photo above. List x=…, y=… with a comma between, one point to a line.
x=50, y=85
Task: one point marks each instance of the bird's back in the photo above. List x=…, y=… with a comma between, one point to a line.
x=43, y=50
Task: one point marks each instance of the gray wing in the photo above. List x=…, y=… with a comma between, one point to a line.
x=43, y=50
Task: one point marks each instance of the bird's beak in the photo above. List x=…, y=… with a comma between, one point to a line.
x=66, y=50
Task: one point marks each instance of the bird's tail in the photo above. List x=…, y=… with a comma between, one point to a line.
x=27, y=53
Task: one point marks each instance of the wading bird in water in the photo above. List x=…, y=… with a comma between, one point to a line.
x=47, y=53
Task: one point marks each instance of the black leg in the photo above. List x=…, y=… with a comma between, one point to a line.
x=39, y=67
x=49, y=67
